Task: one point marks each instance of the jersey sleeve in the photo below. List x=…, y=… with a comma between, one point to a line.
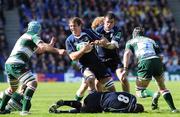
x=156, y=48
x=94, y=35
x=69, y=47
x=36, y=39
x=117, y=35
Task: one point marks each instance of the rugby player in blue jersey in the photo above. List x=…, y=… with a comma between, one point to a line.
x=80, y=47
x=117, y=102
x=109, y=51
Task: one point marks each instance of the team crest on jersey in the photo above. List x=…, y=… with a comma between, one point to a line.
x=118, y=35
x=85, y=39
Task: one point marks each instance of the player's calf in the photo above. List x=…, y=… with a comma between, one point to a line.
x=80, y=92
x=28, y=94
x=155, y=99
x=168, y=98
x=144, y=93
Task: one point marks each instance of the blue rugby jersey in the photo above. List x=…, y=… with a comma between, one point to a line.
x=115, y=35
x=87, y=35
x=118, y=102
x=121, y=102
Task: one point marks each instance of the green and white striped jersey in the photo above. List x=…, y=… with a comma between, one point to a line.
x=24, y=48
x=143, y=47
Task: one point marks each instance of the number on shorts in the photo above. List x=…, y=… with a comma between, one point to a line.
x=123, y=98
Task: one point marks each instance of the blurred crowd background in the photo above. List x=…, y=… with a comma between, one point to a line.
x=154, y=15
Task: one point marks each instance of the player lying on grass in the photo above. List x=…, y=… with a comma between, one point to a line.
x=97, y=102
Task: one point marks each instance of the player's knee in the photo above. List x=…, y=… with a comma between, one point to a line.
x=90, y=79
x=123, y=80
x=32, y=85
x=10, y=91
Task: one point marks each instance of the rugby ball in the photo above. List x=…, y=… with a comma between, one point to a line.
x=81, y=45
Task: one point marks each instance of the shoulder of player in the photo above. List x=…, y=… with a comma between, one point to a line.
x=29, y=36
x=131, y=42
x=99, y=29
x=90, y=32
x=150, y=39
x=70, y=37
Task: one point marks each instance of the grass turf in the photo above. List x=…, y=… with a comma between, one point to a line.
x=48, y=93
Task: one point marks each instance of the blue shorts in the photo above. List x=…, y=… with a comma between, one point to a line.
x=99, y=70
x=113, y=64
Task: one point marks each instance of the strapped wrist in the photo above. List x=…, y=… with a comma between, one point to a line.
x=125, y=68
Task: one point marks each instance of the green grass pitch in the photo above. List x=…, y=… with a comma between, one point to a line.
x=48, y=93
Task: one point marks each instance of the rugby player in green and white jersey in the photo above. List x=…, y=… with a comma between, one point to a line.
x=17, y=69
x=149, y=65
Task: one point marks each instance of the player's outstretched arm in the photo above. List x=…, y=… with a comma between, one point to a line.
x=44, y=47
x=126, y=57
x=51, y=43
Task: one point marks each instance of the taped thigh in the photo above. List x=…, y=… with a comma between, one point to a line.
x=14, y=83
x=26, y=77
x=88, y=74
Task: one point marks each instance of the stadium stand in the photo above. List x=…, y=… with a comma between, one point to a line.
x=154, y=15
x=3, y=41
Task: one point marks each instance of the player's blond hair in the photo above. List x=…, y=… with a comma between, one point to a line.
x=96, y=22
x=76, y=20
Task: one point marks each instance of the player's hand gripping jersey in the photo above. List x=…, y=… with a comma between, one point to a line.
x=74, y=43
